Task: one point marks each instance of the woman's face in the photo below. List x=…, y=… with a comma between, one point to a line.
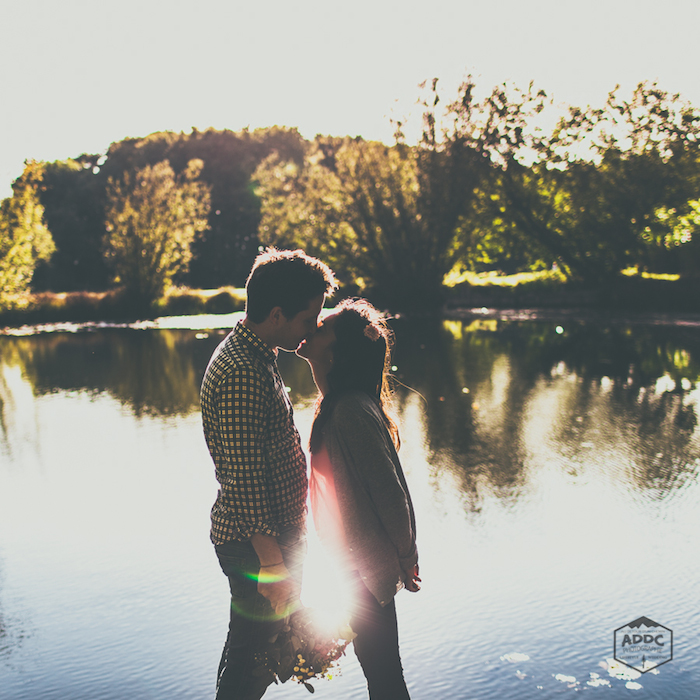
x=318, y=348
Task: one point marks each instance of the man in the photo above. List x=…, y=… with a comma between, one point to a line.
x=259, y=517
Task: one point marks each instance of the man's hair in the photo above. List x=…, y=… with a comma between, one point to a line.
x=289, y=279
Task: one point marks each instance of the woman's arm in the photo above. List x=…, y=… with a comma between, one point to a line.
x=358, y=436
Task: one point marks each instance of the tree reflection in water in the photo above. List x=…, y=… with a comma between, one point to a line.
x=150, y=371
x=482, y=383
x=12, y=634
x=613, y=388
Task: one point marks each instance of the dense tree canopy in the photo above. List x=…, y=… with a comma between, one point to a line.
x=591, y=187
x=75, y=199
x=488, y=186
x=224, y=254
x=383, y=216
x=397, y=217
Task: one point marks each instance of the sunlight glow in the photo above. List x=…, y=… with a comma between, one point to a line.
x=324, y=589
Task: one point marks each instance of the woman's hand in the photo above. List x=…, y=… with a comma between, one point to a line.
x=412, y=580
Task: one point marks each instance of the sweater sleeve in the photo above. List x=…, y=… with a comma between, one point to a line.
x=358, y=434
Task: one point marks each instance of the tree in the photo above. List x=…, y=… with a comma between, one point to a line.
x=73, y=196
x=613, y=168
x=357, y=205
x=499, y=133
x=583, y=195
x=384, y=216
x=400, y=217
x=24, y=237
x=224, y=253
x=678, y=230
x=152, y=217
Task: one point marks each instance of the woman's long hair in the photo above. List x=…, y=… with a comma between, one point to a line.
x=361, y=362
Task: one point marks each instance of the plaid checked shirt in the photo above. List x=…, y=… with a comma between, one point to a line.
x=249, y=429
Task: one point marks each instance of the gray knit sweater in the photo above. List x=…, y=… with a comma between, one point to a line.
x=372, y=493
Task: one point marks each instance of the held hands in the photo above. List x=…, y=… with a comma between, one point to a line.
x=412, y=580
x=276, y=584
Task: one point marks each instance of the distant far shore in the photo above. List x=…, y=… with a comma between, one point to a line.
x=625, y=295
x=113, y=305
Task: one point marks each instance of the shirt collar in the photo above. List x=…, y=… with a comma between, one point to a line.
x=244, y=333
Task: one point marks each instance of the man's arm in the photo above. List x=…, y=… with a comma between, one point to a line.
x=242, y=409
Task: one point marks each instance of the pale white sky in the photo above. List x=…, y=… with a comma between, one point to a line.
x=76, y=75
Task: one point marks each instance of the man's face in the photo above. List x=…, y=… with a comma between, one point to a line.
x=291, y=332
x=318, y=348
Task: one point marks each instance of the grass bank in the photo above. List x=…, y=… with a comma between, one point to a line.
x=48, y=307
x=630, y=291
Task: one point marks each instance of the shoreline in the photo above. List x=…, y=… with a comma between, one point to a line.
x=631, y=300
x=473, y=316
x=576, y=314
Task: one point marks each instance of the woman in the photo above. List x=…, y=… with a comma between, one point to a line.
x=359, y=497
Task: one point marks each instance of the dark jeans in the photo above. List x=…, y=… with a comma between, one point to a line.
x=253, y=620
x=377, y=645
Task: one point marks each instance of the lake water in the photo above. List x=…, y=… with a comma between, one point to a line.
x=553, y=465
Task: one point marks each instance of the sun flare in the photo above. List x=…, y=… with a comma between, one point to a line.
x=324, y=589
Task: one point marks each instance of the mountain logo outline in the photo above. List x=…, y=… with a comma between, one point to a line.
x=643, y=644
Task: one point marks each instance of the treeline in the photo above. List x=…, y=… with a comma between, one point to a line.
x=151, y=211
x=77, y=195
x=488, y=186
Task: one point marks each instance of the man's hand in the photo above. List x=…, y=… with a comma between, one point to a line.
x=277, y=585
x=274, y=579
